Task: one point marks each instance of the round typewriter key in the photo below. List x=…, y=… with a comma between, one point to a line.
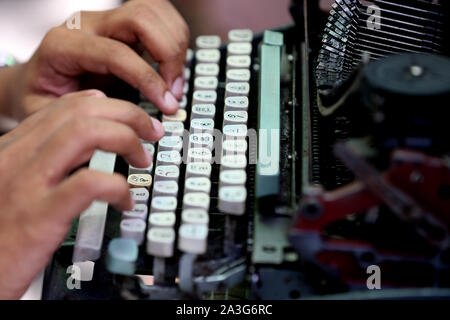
x=140, y=195
x=207, y=70
x=193, y=238
x=179, y=116
x=121, y=256
x=197, y=184
x=139, y=211
x=160, y=242
x=196, y=200
x=208, y=56
x=198, y=170
x=208, y=42
x=140, y=180
x=173, y=128
x=164, y=204
x=232, y=200
x=240, y=35
x=167, y=173
x=133, y=229
x=238, y=75
x=195, y=216
x=165, y=188
x=162, y=220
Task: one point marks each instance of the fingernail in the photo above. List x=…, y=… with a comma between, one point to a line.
x=170, y=101
x=177, y=86
x=95, y=93
x=149, y=156
x=158, y=127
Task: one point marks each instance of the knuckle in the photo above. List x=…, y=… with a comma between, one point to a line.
x=85, y=181
x=78, y=127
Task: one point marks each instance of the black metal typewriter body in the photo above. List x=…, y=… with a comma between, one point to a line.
x=363, y=179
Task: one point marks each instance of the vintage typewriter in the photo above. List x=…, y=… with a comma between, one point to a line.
x=300, y=160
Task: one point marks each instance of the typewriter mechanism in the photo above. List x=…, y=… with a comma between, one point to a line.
x=359, y=176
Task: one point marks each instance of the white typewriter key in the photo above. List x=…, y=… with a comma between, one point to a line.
x=202, y=125
x=165, y=188
x=196, y=200
x=198, y=170
x=193, y=238
x=203, y=111
x=232, y=200
x=239, y=62
x=233, y=178
x=208, y=42
x=173, y=128
x=234, y=131
x=139, y=211
x=236, y=103
x=240, y=89
x=133, y=229
x=140, y=195
x=207, y=70
x=185, y=90
x=160, y=242
x=187, y=74
x=189, y=56
x=208, y=56
x=164, y=204
x=204, y=96
x=169, y=143
x=134, y=170
x=195, y=216
x=239, y=48
x=167, y=173
x=197, y=185
x=238, y=75
x=235, y=117
x=234, y=146
x=206, y=83
x=162, y=220
x=201, y=140
x=179, y=116
x=232, y=162
x=166, y=158
x=140, y=180
x=199, y=155
x=240, y=35
x=150, y=147
x=183, y=102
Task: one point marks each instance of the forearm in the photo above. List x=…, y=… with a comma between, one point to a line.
x=8, y=83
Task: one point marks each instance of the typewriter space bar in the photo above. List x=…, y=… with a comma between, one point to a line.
x=91, y=226
x=268, y=167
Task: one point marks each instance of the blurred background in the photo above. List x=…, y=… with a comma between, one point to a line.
x=23, y=23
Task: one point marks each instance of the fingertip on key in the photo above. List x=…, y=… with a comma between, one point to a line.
x=170, y=102
x=148, y=156
x=177, y=87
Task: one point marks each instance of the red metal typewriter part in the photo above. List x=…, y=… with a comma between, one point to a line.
x=415, y=188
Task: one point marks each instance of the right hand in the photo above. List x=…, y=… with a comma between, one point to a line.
x=38, y=197
x=107, y=45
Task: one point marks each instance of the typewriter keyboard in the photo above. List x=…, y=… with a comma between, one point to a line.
x=200, y=165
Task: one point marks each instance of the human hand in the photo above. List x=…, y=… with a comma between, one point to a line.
x=108, y=43
x=38, y=200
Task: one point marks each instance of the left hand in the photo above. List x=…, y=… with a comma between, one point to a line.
x=108, y=43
